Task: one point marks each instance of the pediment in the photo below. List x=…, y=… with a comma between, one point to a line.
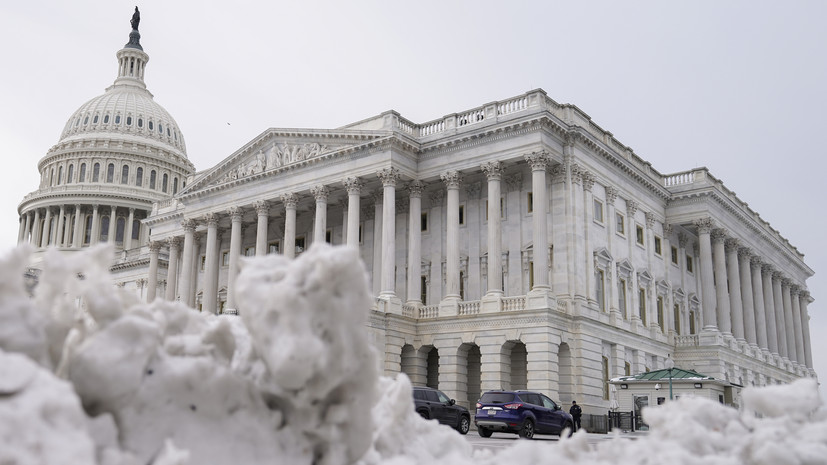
x=278, y=150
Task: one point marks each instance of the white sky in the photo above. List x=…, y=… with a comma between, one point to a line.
x=736, y=86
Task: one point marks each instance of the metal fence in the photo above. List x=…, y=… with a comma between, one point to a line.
x=624, y=421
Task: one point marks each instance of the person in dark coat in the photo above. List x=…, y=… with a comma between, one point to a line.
x=575, y=412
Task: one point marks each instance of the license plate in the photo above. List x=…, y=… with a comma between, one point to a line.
x=491, y=413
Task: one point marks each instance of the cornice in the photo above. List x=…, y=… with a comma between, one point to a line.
x=95, y=145
x=84, y=197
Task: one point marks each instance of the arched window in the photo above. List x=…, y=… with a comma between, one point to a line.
x=152, y=179
x=59, y=175
x=51, y=176
x=150, y=124
x=104, y=234
x=110, y=173
x=174, y=186
x=70, y=173
x=140, y=122
x=605, y=378
x=125, y=174
x=82, y=176
x=136, y=229
x=119, y=229
x=95, y=120
x=129, y=121
x=87, y=233
x=139, y=177
x=118, y=119
x=105, y=119
x=164, y=183
x=96, y=172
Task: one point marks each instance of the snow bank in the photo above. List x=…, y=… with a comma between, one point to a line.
x=292, y=381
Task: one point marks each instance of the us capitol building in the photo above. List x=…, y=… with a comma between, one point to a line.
x=512, y=245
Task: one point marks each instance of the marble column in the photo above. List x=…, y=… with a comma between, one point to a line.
x=769, y=308
x=262, y=212
x=789, y=326
x=415, y=189
x=539, y=162
x=805, y=328
x=35, y=240
x=210, y=296
x=389, y=178
x=320, y=193
x=710, y=319
x=376, y=271
x=95, y=233
x=354, y=191
x=721, y=291
x=758, y=302
x=235, y=251
x=152, y=286
x=494, y=173
x=127, y=238
x=27, y=232
x=77, y=235
x=47, y=225
x=172, y=268
x=61, y=220
x=798, y=330
x=734, y=279
x=747, y=301
x=290, y=202
x=110, y=234
x=452, y=180
x=184, y=293
x=780, y=326
x=21, y=227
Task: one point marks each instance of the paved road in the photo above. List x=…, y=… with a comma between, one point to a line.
x=499, y=441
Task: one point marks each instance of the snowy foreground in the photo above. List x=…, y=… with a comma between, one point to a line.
x=290, y=382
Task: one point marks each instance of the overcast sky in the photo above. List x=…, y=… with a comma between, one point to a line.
x=736, y=86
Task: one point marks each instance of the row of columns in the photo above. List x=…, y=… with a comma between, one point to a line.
x=70, y=226
x=386, y=232
x=748, y=299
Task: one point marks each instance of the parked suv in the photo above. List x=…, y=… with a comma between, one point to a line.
x=433, y=404
x=521, y=412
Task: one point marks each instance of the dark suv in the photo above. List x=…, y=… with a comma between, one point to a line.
x=433, y=404
x=521, y=412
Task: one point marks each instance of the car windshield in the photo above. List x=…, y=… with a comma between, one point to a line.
x=442, y=397
x=496, y=398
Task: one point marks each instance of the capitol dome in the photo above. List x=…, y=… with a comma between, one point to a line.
x=118, y=156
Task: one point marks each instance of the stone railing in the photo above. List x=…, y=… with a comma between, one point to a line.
x=513, y=304
x=677, y=179
x=408, y=310
x=686, y=341
x=429, y=311
x=471, y=307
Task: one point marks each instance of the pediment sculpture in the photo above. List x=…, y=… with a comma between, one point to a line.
x=276, y=156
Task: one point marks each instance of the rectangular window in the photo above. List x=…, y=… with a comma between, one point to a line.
x=225, y=258
x=530, y=202
x=274, y=247
x=627, y=369
x=691, y=322
x=620, y=224
x=621, y=293
x=600, y=281
x=462, y=215
x=461, y=285
x=299, y=244
x=250, y=251
x=657, y=245
x=660, y=314
x=677, y=319
x=642, y=305
x=674, y=255
x=423, y=223
x=689, y=263
x=598, y=211
x=423, y=289
x=531, y=275
x=639, y=234
x=203, y=262
x=360, y=233
x=486, y=210
x=328, y=236
x=502, y=207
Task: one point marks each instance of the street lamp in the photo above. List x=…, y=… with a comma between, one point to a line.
x=670, y=365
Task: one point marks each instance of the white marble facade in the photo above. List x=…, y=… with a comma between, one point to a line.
x=632, y=264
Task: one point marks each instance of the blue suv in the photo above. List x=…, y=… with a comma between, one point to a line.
x=521, y=412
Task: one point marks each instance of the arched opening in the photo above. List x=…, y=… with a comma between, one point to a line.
x=164, y=183
x=515, y=361
x=152, y=176
x=104, y=235
x=82, y=176
x=469, y=365
x=87, y=233
x=110, y=173
x=565, y=373
x=119, y=229
x=432, y=368
x=125, y=174
x=70, y=173
x=139, y=177
x=96, y=172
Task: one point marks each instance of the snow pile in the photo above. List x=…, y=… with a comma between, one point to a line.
x=292, y=381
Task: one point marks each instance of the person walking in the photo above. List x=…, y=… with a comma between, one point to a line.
x=576, y=412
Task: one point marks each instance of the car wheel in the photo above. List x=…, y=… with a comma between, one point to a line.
x=527, y=431
x=568, y=426
x=464, y=424
x=484, y=432
x=424, y=414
